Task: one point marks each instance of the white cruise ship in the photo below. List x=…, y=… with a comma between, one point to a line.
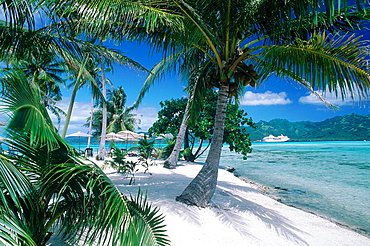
x=272, y=138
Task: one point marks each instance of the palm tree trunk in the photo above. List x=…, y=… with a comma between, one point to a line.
x=201, y=189
x=73, y=98
x=69, y=112
x=171, y=161
x=102, y=150
x=90, y=123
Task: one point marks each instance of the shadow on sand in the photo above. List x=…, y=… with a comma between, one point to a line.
x=229, y=203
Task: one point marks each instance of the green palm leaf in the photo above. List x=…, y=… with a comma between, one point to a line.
x=21, y=100
x=47, y=191
x=328, y=64
x=141, y=210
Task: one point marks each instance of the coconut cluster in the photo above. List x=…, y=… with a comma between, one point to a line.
x=244, y=73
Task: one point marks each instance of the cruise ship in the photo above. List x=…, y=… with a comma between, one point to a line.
x=272, y=138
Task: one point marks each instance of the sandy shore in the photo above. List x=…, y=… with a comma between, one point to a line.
x=238, y=214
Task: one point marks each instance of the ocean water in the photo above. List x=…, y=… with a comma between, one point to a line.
x=331, y=179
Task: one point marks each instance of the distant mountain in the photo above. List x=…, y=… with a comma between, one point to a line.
x=348, y=127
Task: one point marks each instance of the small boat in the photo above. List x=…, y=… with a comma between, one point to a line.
x=272, y=138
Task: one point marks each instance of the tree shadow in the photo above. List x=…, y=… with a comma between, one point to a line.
x=229, y=204
x=234, y=203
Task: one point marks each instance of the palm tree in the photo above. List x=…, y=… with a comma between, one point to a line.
x=46, y=72
x=57, y=42
x=226, y=44
x=120, y=118
x=171, y=161
x=49, y=193
x=229, y=45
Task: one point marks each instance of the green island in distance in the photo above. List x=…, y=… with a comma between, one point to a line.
x=350, y=127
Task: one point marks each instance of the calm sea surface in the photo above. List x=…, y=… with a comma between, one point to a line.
x=331, y=179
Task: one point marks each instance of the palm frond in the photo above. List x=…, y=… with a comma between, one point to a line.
x=148, y=218
x=15, y=193
x=301, y=18
x=327, y=64
x=157, y=72
x=21, y=100
x=18, y=13
x=49, y=190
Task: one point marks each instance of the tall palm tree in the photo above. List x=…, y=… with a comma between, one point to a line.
x=57, y=41
x=171, y=161
x=102, y=150
x=229, y=45
x=49, y=193
x=118, y=116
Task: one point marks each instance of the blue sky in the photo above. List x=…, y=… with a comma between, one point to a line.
x=273, y=99
x=276, y=98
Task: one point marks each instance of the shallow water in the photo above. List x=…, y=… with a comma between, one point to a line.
x=331, y=179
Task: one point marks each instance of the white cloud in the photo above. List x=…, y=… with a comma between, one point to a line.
x=81, y=111
x=267, y=98
x=147, y=116
x=311, y=98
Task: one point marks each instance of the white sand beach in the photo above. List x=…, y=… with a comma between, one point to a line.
x=238, y=214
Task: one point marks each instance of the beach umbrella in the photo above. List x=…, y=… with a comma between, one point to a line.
x=129, y=136
x=79, y=135
x=114, y=139
x=113, y=135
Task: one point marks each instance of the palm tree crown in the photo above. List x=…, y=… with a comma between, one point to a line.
x=229, y=45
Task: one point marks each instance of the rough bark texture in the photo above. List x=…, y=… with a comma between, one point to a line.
x=201, y=189
x=171, y=161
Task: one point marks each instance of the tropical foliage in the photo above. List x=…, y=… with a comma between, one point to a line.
x=229, y=45
x=120, y=163
x=145, y=148
x=47, y=74
x=172, y=112
x=48, y=192
x=119, y=117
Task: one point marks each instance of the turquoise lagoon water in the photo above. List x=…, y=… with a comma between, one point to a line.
x=331, y=179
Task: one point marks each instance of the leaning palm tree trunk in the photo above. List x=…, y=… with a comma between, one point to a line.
x=171, y=161
x=200, y=191
x=102, y=150
x=69, y=112
x=72, y=100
